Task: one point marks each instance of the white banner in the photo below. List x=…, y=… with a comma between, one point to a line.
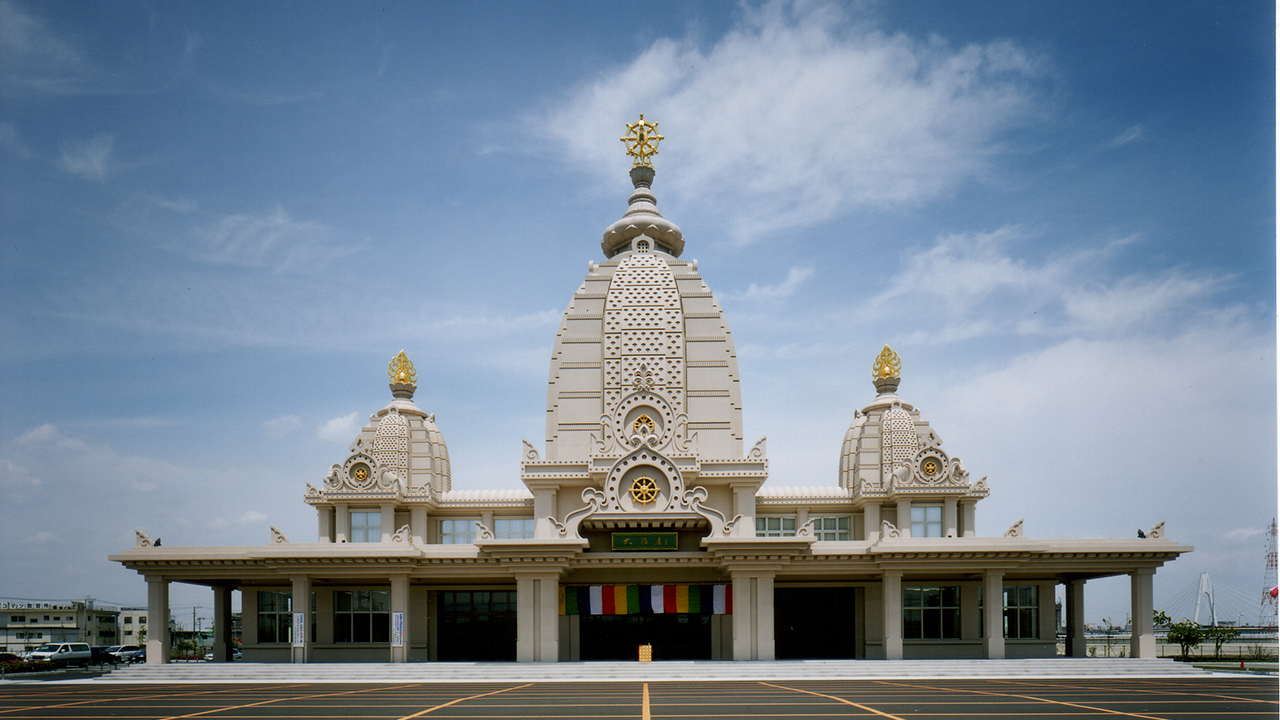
x=397, y=629
x=299, y=629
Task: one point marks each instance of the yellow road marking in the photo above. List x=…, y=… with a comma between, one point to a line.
x=1029, y=697
x=131, y=697
x=644, y=704
x=837, y=699
x=459, y=700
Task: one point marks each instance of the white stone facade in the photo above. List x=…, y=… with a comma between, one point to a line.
x=644, y=503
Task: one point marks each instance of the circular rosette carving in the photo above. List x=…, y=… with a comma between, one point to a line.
x=644, y=419
x=360, y=472
x=932, y=467
x=642, y=481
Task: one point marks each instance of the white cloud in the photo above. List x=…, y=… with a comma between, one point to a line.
x=9, y=140
x=340, y=429
x=796, y=277
x=273, y=240
x=1131, y=135
x=281, y=426
x=34, y=56
x=88, y=158
x=800, y=112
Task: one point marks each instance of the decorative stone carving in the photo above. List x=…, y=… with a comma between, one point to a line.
x=402, y=535
x=1014, y=531
x=277, y=536
x=805, y=530
x=483, y=532
x=530, y=452
x=1156, y=532
x=757, y=450
x=141, y=540
x=888, y=530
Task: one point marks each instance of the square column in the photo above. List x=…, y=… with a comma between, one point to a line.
x=993, y=614
x=1075, y=619
x=222, y=639
x=753, y=616
x=891, y=605
x=418, y=524
x=904, y=517
x=324, y=522
x=537, y=617
x=342, y=523
x=400, y=618
x=157, y=619
x=1143, y=642
x=968, y=518
x=949, y=518
x=871, y=521
x=300, y=632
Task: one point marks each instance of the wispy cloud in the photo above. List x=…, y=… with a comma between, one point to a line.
x=1133, y=134
x=34, y=56
x=274, y=240
x=800, y=112
x=282, y=426
x=88, y=158
x=796, y=277
x=340, y=429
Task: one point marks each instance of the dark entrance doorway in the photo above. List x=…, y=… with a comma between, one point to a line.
x=813, y=623
x=681, y=636
x=476, y=625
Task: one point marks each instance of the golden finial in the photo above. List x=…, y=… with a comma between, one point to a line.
x=642, y=141
x=887, y=365
x=401, y=370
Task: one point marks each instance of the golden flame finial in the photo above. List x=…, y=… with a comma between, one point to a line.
x=642, y=141
x=887, y=365
x=401, y=370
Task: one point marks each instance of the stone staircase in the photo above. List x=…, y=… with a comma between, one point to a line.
x=668, y=671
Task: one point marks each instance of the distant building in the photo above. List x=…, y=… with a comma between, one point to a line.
x=27, y=624
x=644, y=516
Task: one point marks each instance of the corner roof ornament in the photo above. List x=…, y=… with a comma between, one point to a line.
x=886, y=372
x=404, y=379
x=642, y=141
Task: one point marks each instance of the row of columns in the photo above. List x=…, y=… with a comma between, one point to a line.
x=537, y=616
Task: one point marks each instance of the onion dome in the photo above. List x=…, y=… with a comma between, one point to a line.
x=400, y=451
x=642, y=216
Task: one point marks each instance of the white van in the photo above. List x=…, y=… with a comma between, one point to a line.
x=63, y=653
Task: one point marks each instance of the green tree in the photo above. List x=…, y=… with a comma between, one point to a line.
x=1187, y=634
x=1160, y=619
x=1220, y=634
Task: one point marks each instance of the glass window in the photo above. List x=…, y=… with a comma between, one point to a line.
x=366, y=526
x=512, y=528
x=926, y=521
x=931, y=613
x=831, y=528
x=775, y=526
x=458, y=532
x=361, y=616
x=275, y=615
x=1022, y=611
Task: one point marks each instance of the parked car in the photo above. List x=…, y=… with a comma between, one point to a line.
x=62, y=653
x=121, y=650
x=235, y=655
x=102, y=655
x=134, y=656
x=9, y=657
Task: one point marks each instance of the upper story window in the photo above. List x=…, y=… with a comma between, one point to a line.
x=834, y=527
x=513, y=528
x=1021, y=611
x=926, y=521
x=775, y=526
x=366, y=526
x=457, y=531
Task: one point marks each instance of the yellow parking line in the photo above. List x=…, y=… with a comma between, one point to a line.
x=459, y=700
x=1032, y=698
x=837, y=699
x=644, y=704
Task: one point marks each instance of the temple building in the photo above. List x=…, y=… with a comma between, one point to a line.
x=645, y=518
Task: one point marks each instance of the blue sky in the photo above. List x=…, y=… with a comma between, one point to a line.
x=222, y=220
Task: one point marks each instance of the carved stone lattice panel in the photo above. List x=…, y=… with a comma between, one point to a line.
x=643, y=343
x=391, y=444
x=898, y=440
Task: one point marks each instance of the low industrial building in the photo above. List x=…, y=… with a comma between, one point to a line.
x=644, y=518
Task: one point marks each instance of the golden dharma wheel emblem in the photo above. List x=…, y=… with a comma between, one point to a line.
x=642, y=140
x=360, y=472
x=930, y=467
x=644, y=425
x=644, y=490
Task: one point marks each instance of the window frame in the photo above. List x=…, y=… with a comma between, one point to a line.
x=841, y=527
x=920, y=528
x=449, y=533
x=932, y=610
x=366, y=531
x=1023, y=616
x=364, y=618
x=782, y=529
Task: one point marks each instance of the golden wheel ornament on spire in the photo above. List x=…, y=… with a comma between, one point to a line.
x=642, y=141
x=887, y=365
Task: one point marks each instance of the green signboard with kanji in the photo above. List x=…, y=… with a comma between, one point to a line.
x=645, y=540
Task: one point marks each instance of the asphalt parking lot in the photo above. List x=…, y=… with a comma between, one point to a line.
x=1167, y=699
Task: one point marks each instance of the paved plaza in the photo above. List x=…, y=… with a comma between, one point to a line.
x=1177, y=698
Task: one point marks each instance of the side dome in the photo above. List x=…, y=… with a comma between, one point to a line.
x=400, y=450
x=889, y=447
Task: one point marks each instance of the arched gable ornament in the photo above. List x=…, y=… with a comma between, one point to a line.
x=1014, y=531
